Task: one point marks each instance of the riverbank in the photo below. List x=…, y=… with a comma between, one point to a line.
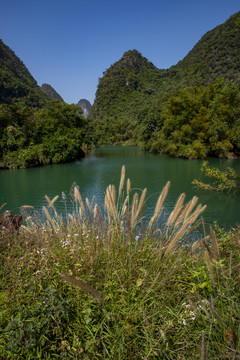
x=106, y=287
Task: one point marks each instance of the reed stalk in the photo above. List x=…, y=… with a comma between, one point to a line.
x=51, y=202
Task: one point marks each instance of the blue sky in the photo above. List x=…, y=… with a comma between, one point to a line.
x=68, y=44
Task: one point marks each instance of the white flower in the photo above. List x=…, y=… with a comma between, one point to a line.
x=184, y=322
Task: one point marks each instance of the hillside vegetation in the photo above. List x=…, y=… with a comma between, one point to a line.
x=16, y=82
x=136, y=102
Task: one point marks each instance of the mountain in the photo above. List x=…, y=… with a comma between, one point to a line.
x=86, y=106
x=125, y=86
x=16, y=82
x=51, y=92
x=133, y=84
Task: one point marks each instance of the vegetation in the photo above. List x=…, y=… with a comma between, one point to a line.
x=197, y=122
x=108, y=286
x=220, y=180
x=16, y=82
x=29, y=137
x=175, y=111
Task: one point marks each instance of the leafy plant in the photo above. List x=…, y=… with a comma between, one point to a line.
x=221, y=180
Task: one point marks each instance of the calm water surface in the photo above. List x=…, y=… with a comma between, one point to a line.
x=103, y=167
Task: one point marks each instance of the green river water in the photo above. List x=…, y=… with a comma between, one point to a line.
x=103, y=167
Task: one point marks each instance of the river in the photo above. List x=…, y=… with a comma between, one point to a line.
x=103, y=167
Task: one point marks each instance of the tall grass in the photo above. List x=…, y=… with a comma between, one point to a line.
x=105, y=284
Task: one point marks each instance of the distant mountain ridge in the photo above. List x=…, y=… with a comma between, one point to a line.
x=51, y=92
x=86, y=106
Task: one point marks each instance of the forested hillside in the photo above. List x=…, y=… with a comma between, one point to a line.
x=16, y=82
x=136, y=102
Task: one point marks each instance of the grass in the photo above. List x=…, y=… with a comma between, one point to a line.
x=109, y=286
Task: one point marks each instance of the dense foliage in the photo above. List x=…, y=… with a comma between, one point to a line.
x=197, y=122
x=56, y=133
x=175, y=111
x=125, y=88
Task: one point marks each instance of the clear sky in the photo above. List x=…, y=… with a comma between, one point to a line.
x=69, y=43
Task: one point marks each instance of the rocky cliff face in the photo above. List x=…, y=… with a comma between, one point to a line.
x=85, y=105
x=51, y=92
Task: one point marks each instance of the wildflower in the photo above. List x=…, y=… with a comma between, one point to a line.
x=138, y=236
x=68, y=235
x=184, y=322
x=76, y=234
x=199, y=305
x=65, y=243
x=186, y=305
